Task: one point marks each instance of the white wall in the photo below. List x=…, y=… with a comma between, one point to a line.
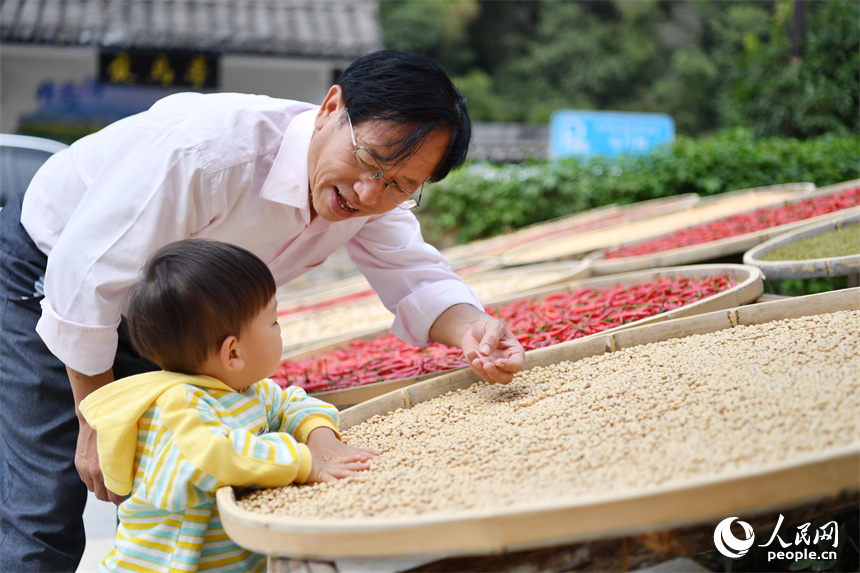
x=24, y=68
x=289, y=78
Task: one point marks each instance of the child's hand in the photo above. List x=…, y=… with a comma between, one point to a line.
x=334, y=460
x=328, y=470
x=324, y=444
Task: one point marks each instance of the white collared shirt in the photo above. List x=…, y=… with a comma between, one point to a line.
x=232, y=167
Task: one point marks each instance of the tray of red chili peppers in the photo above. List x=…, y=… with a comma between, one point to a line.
x=579, y=245
x=355, y=370
x=730, y=235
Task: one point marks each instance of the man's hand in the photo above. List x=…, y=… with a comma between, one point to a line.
x=86, y=452
x=492, y=350
x=87, y=464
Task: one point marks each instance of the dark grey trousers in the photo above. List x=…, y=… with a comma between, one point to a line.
x=42, y=497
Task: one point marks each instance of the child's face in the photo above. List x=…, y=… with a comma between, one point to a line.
x=261, y=345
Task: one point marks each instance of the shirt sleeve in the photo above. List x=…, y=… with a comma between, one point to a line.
x=292, y=411
x=152, y=188
x=198, y=454
x=411, y=277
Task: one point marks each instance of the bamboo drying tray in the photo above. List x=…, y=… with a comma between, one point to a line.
x=300, y=328
x=807, y=268
x=377, y=319
x=748, y=288
x=502, y=243
x=565, y=519
x=715, y=249
x=290, y=298
x=357, y=285
x=597, y=218
x=708, y=209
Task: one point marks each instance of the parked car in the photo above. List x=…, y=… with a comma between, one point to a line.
x=20, y=158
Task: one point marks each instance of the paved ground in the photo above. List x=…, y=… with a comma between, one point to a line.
x=100, y=524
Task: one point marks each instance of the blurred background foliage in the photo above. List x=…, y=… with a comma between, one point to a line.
x=777, y=67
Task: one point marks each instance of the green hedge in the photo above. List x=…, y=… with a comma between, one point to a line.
x=483, y=200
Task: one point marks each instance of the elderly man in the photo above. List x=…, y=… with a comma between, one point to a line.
x=289, y=181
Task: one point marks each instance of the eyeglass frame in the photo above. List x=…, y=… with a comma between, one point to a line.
x=380, y=172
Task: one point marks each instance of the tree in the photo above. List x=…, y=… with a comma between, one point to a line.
x=776, y=90
x=436, y=29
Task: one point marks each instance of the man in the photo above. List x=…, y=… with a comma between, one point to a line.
x=289, y=181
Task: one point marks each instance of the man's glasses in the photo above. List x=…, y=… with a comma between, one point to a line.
x=368, y=163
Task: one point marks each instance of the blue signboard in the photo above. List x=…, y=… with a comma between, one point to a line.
x=583, y=133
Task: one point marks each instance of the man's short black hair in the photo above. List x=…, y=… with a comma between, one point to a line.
x=192, y=294
x=408, y=89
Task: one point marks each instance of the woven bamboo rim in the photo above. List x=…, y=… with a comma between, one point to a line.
x=748, y=288
x=501, y=243
x=564, y=519
x=715, y=249
x=289, y=298
x=807, y=268
x=707, y=209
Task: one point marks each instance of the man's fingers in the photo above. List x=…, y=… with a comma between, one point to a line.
x=491, y=372
x=102, y=493
x=491, y=338
x=497, y=375
x=87, y=481
x=510, y=365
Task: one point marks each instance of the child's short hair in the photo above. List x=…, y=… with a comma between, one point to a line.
x=193, y=294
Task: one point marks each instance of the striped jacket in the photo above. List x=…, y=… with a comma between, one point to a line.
x=170, y=440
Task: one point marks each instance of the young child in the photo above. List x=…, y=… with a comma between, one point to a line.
x=205, y=312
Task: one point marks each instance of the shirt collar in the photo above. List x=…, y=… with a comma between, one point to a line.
x=287, y=181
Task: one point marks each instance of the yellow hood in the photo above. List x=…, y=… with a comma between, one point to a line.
x=114, y=410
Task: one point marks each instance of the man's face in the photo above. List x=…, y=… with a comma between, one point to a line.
x=341, y=187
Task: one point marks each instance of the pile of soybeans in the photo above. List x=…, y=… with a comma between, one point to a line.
x=652, y=415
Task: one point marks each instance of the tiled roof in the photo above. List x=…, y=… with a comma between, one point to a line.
x=508, y=142
x=309, y=28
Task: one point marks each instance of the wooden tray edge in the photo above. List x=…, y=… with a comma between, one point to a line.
x=548, y=523
x=807, y=268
